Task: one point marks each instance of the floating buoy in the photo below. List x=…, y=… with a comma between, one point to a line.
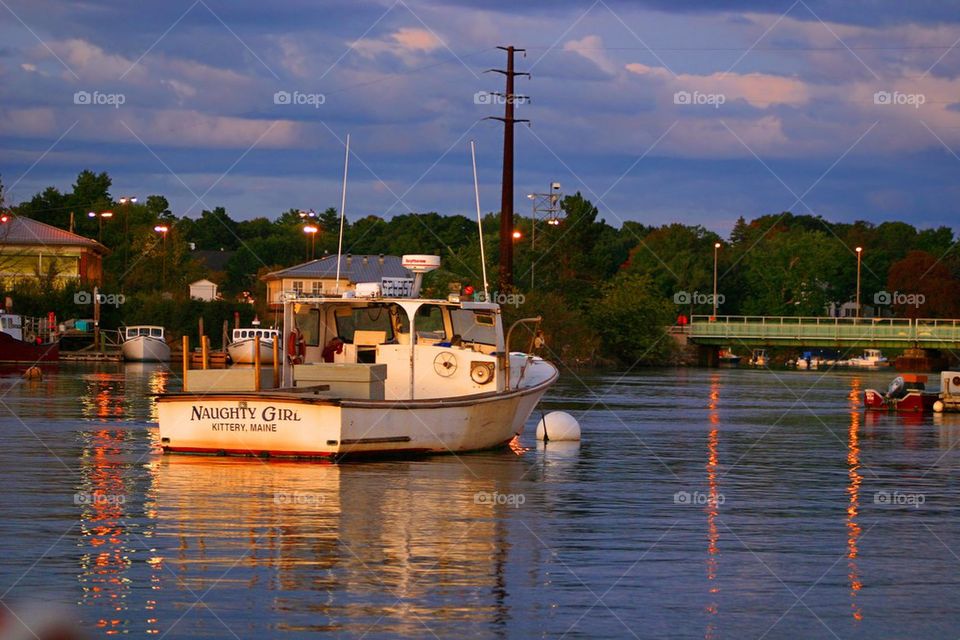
x=558, y=426
x=33, y=373
x=938, y=406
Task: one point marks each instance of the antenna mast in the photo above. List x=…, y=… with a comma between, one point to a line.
x=476, y=194
x=343, y=209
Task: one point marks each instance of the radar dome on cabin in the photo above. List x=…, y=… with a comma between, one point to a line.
x=419, y=264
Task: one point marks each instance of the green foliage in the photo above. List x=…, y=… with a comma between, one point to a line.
x=631, y=318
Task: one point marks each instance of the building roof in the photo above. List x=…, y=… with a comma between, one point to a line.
x=18, y=230
x=203, y=281
x=354, y=269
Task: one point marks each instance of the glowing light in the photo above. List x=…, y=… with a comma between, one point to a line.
x=517, y=235
x=161, y=228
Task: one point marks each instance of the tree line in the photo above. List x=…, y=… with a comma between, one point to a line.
x=606, y=292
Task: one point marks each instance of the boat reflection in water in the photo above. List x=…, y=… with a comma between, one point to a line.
x=399, y=548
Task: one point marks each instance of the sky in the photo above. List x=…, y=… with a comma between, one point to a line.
x=656, y=111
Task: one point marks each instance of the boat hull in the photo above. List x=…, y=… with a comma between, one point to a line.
x=13, y=350
x=145, y=349
x=912, y=402
x=242, y=351
x=307, y=425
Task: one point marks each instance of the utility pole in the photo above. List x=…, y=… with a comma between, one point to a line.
x=506, y=200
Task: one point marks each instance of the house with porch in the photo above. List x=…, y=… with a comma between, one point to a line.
x=318, y=277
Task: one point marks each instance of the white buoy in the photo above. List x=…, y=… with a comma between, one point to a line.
x=558, y=426
x=938, y=406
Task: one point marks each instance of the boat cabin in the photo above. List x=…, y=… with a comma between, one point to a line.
x=265, y=335
x=420, y=348
x=12, y=324
x=143, y=331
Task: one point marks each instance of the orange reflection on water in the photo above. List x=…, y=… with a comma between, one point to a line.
x=853, y=490
x=713, y=534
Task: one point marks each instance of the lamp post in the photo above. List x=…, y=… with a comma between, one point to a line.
x=162, y=229
x=311, y=232
x=125, y=200
x=100, y=216
x=716, y=253
x=548, y=203
x=859, y=251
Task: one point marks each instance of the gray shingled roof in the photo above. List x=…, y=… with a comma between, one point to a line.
x=359, y=268
x=19, y=230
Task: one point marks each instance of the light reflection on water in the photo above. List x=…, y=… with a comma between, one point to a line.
x=585, y=539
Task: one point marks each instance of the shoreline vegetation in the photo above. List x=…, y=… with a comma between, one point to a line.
x=607, y=293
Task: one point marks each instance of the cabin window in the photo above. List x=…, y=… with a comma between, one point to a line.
x=156, y=333
x=307, y=319
x=429, y=322
x=374, y=318
x=298, y=287
x=475, y=326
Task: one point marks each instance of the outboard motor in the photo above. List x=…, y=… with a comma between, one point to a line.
x=897, y=388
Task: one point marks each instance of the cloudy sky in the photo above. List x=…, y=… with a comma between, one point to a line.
x=657, y=111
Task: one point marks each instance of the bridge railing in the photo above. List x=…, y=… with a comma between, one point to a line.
x=798, y=328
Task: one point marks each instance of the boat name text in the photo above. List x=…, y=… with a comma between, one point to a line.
x=267, y=414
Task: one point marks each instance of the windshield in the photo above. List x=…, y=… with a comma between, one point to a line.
x=475, y=326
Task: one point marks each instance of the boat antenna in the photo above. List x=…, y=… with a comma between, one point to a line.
x=343, y=209
x=476, y=195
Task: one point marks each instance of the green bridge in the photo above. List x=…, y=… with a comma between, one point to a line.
x=792, y=331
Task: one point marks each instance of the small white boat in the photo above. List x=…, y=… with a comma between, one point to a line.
x=241, y=348
x=870, y=359
x=368, y=376
x=145, y=343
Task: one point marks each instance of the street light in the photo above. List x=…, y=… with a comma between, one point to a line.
x=100, y=216
x=859, y=251
x=311, y=231
x=307, y=214
x=162, y=229
x=517, y=235
x=716, y=252
x=125, y=200
x=548, y=203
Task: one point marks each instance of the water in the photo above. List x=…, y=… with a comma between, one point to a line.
x=701, y=503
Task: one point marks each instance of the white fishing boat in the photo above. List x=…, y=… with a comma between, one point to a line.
x=241, y=348
x=759, y=358
x=145, y=343
x=869, y=359
x=369, y=375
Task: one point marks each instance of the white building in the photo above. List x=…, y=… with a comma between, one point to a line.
x=203, y=290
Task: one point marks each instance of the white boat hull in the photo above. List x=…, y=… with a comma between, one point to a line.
x=242, y=351
x=308, y=425
x=145, y=349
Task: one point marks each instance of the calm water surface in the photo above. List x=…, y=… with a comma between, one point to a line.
x=701, y=503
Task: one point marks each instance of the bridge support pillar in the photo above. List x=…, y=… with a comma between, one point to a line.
x=922, y=360
x=708, y=356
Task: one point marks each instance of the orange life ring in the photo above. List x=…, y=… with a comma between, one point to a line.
x=296, y=346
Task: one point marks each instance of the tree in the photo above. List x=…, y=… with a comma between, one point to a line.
x=631, y=317
x=921, y=286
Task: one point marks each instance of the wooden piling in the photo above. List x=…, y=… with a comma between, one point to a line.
x=186, y=360
x=276, y=362
x=205, y=352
